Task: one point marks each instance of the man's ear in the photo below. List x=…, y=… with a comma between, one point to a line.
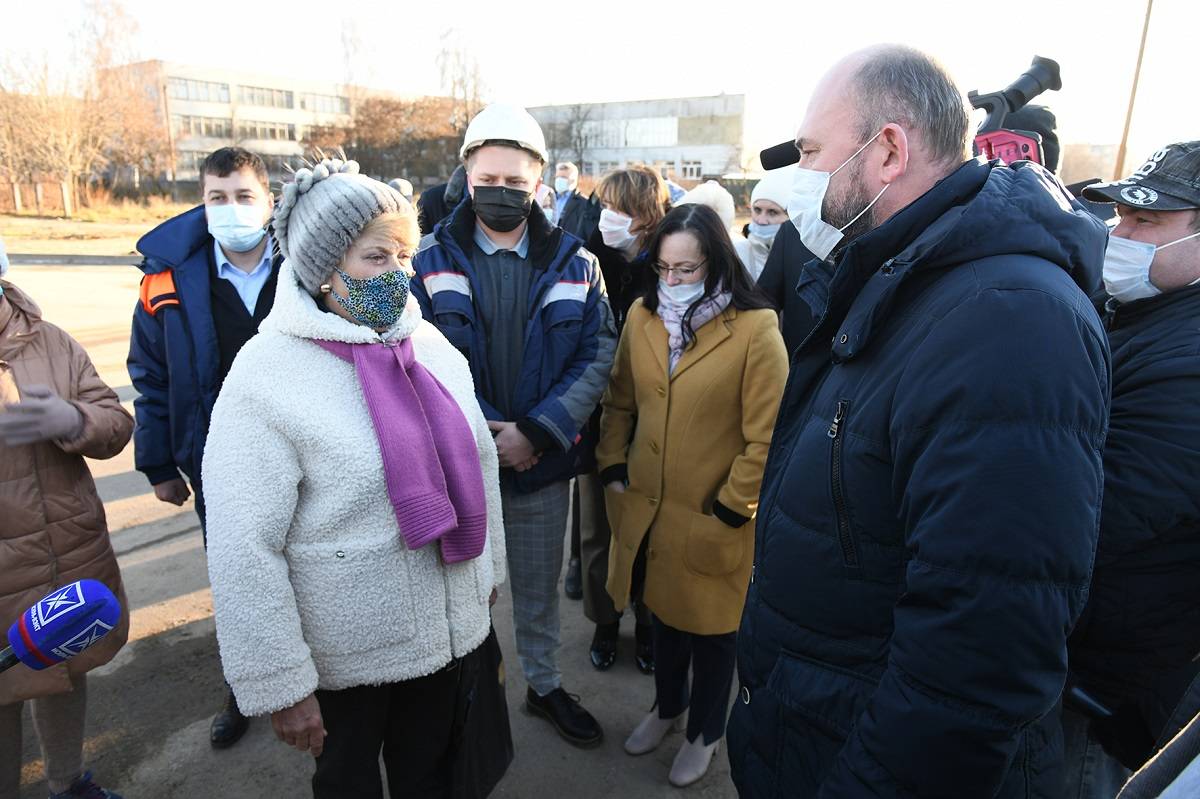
x=895, y=162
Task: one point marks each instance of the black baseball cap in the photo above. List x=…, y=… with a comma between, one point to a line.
x=1168, y=181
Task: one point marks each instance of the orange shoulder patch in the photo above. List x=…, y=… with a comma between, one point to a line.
x=158, y=291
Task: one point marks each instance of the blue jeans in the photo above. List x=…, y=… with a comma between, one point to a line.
x=1088, y=771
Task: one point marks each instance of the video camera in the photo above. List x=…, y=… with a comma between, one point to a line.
x=992, y=140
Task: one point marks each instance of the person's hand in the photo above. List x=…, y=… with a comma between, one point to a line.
x=174, y=491
x=495, y=595
x=512, y=446
x=616, y=485
x=41, y=415
x=527, y=465
x=301, y=726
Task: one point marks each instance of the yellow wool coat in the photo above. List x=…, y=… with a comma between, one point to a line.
x=689, y=439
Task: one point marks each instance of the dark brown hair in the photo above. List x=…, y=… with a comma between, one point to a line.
x=227, y=160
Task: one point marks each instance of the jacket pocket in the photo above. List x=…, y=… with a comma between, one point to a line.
x=818, y=705
x=353, y=596
x=841, y=510
x=713, y=548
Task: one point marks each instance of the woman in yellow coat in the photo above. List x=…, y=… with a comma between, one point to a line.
x=687, y=421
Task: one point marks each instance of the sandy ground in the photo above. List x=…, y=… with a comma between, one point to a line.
x=147, y=733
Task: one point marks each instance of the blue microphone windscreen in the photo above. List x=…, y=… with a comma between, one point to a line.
x=64, y=623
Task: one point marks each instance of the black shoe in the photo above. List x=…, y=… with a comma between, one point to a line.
x=573, y=584
x=644, y=652
x=563, y=710
x=604, y=646
x=228, y=726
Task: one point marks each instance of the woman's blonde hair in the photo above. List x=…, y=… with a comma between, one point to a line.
x=637, y=191
x=398, y=226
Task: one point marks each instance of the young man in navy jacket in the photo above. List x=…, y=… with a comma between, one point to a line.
x=209, y=282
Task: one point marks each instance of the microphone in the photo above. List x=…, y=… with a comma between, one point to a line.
x=62, y=624
x=781, y=154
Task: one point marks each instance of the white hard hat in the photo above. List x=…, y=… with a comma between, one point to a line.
x=507, y=122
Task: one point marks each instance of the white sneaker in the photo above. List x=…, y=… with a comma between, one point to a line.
x=692, y=762
x=649, y=733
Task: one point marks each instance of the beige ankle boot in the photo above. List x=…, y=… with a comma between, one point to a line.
x=650, y=731
x=692, y=762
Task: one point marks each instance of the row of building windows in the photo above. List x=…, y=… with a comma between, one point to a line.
x=210, y=127
x=220, y=128
x=688, y=170
x=325, y=103
x=211, y=92
x=192, y=160
x=267, y=98
x=266, y=131
x=202, y=90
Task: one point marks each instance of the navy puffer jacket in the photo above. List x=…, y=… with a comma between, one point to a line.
x=1135, y=648
x=930, y=506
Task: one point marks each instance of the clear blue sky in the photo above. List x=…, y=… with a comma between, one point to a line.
x=560, y=52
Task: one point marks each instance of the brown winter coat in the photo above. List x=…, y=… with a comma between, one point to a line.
x=698, y=436
x=52, y=526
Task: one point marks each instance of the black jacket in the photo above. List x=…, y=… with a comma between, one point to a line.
x=581, y=216
x=625, y=280
x=1136, y=646
x=778, y=280
x=436, y=202
x=930, y=505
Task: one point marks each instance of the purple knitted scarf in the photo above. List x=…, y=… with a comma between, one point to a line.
x=430, y=459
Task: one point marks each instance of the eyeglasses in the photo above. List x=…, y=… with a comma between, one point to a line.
x=680, y=271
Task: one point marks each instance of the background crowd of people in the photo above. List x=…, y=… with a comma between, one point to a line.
x=915, y=456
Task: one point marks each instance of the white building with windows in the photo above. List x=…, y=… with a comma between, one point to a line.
x=688, y=139
x=210, y=108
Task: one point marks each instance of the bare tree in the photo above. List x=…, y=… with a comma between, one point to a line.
x=462, y=81
x=73, y=127
x=572, y=135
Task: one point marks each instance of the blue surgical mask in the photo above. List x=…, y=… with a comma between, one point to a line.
x=766, y=232
x=561, y=185
x=377, y=302
x=236, y=227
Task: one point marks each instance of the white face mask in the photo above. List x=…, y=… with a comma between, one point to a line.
x=614, y=229
x=1127, y=268
x=681, y=294
x=561, y=185
x=237, y=227
x=804, y=207
x=765, y=232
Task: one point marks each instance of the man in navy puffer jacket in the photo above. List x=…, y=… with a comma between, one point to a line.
x=931, y=501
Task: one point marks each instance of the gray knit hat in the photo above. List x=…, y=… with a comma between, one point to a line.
x=322, y=212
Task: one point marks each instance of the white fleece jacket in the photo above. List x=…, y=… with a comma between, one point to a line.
x=312, y=583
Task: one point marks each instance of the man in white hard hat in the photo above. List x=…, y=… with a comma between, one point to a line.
x=525, y=303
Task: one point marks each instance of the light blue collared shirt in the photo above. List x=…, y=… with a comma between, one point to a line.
x=490, y=247
x=560, y=203
x=248, y=284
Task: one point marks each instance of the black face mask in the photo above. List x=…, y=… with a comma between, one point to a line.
x=500, y=208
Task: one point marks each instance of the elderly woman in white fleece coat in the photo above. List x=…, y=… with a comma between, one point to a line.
x=354, y=531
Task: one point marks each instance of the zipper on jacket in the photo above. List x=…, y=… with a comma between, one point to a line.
x=845, y=537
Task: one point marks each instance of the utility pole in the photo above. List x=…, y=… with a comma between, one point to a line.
x=1118, y=169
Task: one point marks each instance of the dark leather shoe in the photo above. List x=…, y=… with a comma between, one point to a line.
x=573, y=584
x=228, y=726
x=563, y=710
x=604, y=646
x=644, y=652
